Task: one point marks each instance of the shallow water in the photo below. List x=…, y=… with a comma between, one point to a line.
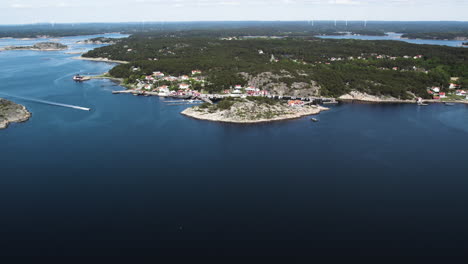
x=134, y=177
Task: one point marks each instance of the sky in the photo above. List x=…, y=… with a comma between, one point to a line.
x=74, y=11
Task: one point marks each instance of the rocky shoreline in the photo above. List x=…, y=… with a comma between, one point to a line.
x=248, y=112
x=42, y=46
x=100, y=60
x=12, y=113
x=356, y=96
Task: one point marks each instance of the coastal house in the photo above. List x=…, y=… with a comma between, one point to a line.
x=170, y=78
x=148, y=87
x=252, y=89
x=238, y=87
x=184, y=86
x=264, y=92
x=158, y=74
x=295, y=103
x=194, y=72
x=442, y=95
x=395, y=68
x=418, y=57
x=435, y=89
x=454, y=86
x=163, y=88
x=260, y=52
x=460, y=93
x=184, y=77
x=149, y=78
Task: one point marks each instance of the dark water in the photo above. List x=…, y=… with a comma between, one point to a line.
x=134, y=177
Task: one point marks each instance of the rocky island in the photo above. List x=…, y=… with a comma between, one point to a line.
x=41, y=46
x=250, y=110
x=11, y=112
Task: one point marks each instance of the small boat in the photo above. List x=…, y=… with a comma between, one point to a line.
x=78, y=78
x=449, y=104
x=314, y=119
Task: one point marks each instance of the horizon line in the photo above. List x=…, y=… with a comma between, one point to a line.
x=217, y=21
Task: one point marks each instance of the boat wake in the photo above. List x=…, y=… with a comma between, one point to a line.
x=47, y=102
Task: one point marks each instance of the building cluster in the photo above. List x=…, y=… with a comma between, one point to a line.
x=249, y=91
x=454, y=89
x=166, y=85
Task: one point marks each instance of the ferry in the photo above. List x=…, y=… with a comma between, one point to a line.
x=78, y=78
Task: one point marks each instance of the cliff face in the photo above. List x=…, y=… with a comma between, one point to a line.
x=272, y=83
x=11, y=112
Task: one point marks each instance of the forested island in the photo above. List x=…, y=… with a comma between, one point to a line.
x=12, y=113
x=300, y=66
x=41, y=46
x=99, y=41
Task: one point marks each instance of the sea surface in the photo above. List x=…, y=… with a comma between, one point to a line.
x=397, y=36
x=133, y=177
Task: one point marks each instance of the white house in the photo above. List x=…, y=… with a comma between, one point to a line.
x=461, y=93
x=184, y=77
x=158, y=74
x=435, y=89
x=454, y=86
x=252, y=89
x=184, y=86
x=196, y=72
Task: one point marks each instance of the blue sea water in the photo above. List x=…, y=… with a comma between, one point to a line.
x=134, y=177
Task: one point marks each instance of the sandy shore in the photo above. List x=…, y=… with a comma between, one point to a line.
x=195, y=113
x=100, y=60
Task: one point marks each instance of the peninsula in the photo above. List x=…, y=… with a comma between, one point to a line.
x=11, y=112
x=251, y=110
x=41, y=46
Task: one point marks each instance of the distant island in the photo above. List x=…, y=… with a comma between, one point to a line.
x=251, y=110
x=98, y=41
x=11, y=112
x=41, y=46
